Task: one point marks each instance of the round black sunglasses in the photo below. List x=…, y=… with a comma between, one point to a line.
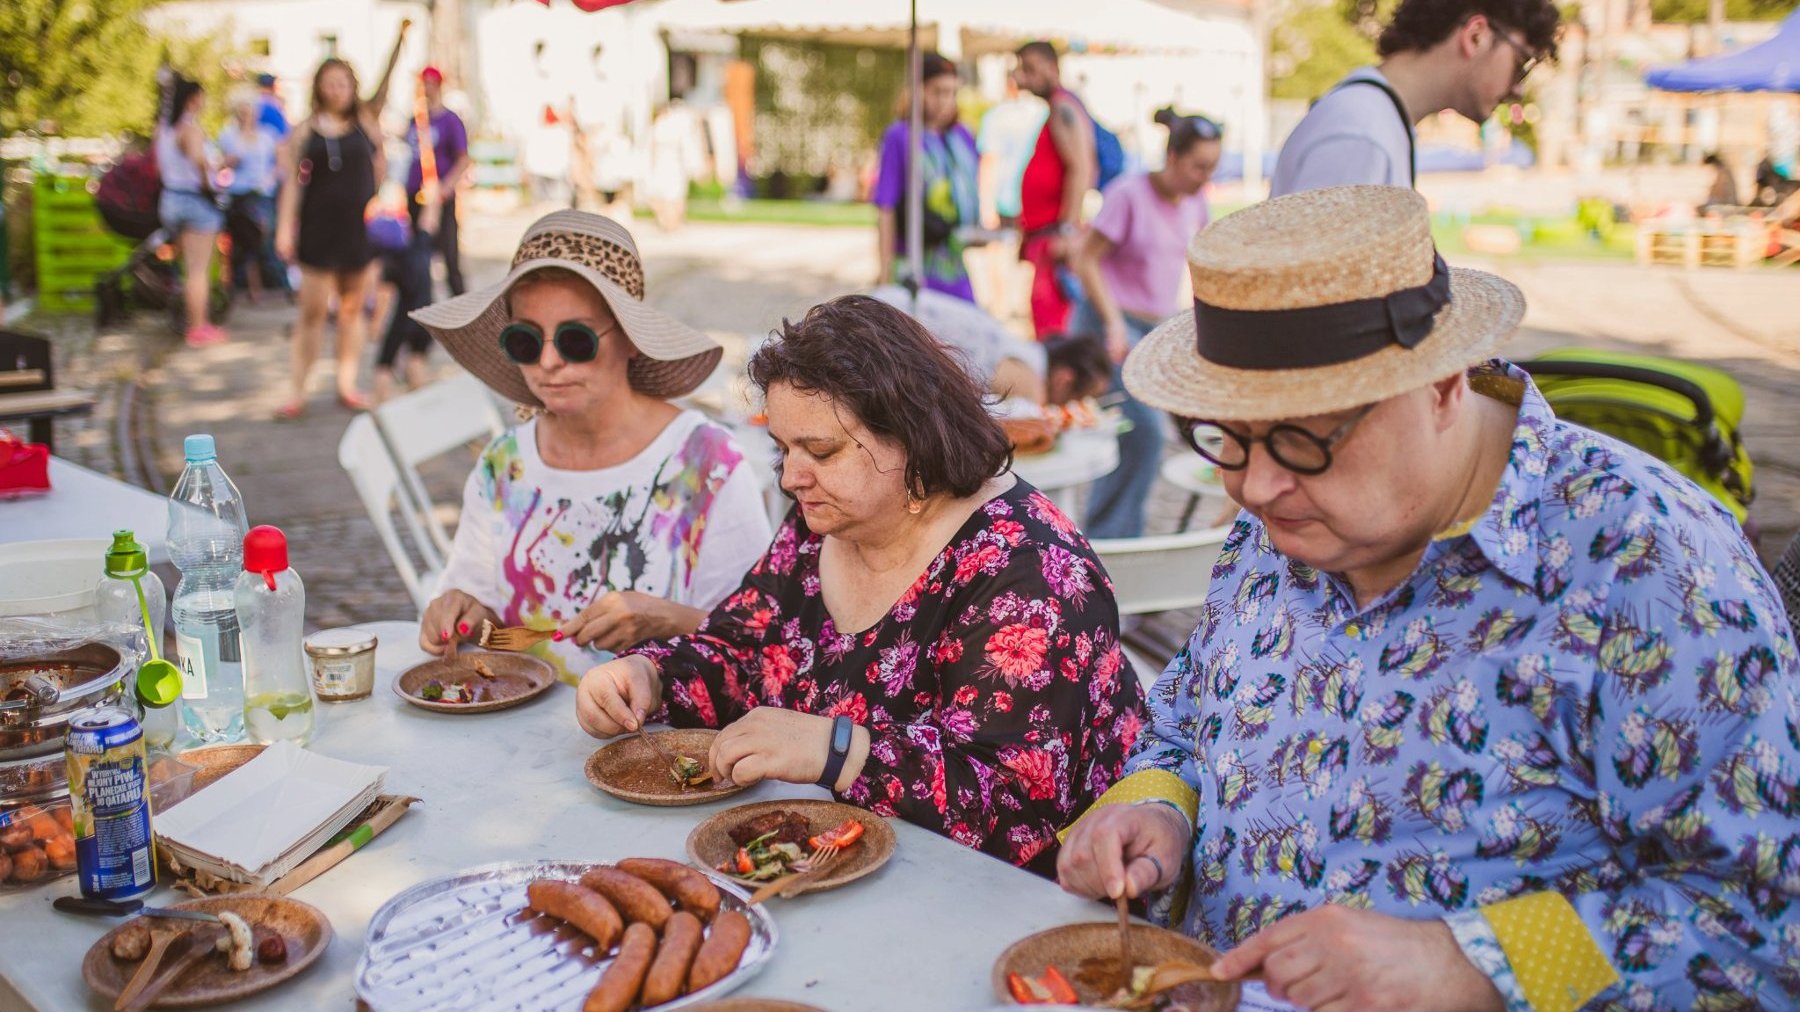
x=1290, y=445
x=575, y=341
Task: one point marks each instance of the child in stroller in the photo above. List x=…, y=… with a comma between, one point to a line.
x=151, y=277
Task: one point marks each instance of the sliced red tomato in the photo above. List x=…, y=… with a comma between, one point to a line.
x=1061, y=991
x=1050, y=989
x=843, y=836
x=745, y=866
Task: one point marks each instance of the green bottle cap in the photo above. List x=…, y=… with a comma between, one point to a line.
x=158, y=683
x=126, y=557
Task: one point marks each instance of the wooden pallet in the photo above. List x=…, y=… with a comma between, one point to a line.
x=1702, y=244
x=74, y=246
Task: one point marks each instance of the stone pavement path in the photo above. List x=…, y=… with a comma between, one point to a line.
x=738, y=282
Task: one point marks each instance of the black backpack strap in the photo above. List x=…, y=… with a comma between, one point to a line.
x=1412, y=149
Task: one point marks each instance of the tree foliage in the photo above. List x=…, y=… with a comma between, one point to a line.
x=87, y=68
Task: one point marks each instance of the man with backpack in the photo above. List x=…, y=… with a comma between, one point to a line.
x=1065, y=163
x=1461, y=55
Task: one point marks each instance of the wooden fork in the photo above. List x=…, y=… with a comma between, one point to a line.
x=513, y=639
x=820, y=861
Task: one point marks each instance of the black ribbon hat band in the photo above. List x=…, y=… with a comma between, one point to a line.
x=1320, y=335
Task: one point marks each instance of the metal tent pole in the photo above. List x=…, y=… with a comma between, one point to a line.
x=915, y=168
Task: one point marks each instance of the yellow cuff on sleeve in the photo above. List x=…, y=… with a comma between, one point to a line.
x=1556, y=960
x=1145, y=785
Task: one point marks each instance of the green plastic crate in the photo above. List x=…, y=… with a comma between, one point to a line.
x=73, y=244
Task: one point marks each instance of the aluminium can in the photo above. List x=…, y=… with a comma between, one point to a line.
x=109, y=788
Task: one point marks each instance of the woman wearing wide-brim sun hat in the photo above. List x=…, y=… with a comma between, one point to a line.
x=610, y=515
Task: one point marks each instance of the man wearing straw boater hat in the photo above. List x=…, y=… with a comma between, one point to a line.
x=610, y=516
x=1484, y=710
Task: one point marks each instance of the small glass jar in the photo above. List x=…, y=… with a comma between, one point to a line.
x=343, y=663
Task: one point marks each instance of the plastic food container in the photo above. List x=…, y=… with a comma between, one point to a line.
x=343, y=663
x=37, y=841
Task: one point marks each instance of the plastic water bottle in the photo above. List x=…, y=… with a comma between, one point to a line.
x=271, y=611
x=206, y=539
x=116, y=601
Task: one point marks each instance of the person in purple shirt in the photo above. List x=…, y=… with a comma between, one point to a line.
x=952, y=197
x=1130, y=263
x=450, y=143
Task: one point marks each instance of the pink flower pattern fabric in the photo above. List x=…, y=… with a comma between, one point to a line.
x=998, y=701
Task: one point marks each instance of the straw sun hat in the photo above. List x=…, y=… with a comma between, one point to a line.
x=673, y=358
x=1318, y=302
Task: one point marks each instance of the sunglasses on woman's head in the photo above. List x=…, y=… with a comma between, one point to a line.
x=1205, y=129
x=575, y=342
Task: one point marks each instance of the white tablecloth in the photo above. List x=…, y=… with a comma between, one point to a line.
x=922, y=933
x=87, y=504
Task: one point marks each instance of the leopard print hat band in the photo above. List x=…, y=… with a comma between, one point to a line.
x=674, y=358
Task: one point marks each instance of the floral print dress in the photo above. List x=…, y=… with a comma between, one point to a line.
x=997, y=699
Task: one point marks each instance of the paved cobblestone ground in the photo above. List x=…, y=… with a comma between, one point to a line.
x=740, y=281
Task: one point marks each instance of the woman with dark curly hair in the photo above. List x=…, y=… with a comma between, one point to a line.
x=1467, y=56
x=928, y=636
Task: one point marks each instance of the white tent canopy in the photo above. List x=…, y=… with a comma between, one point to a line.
x=962, y=27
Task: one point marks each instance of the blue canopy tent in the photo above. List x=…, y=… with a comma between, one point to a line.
x=1771, y=65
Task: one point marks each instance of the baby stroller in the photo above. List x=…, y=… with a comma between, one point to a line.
x=1680, y=412
x=151, y=277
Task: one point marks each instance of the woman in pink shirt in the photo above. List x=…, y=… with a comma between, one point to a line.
x=1130, y=264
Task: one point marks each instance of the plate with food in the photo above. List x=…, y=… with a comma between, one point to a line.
x=256, y=942
x=1080, y=964
x=667, y=768
x=475, y=681
x=762, y=842
x=642, y=933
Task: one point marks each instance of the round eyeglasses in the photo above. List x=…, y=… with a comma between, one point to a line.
x=575, y=342
x=1289, y=445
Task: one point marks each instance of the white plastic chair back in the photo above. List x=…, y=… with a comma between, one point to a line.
x=365, y=458
x=1166, y=572
x=428, y=423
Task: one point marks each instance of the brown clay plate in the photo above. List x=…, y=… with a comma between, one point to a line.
x=1072, y=944
x=755, y=1005
x=629, y=769
x=709, y=845
x=211, y=982
x=517, y=679
x=214, y=761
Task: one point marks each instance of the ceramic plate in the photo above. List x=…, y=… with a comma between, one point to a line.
x=755, y=1005
x=629, y=769
x=467, y=941
x=1085, y=952
x=211, y=982
x=518, y=678
x=710, y=844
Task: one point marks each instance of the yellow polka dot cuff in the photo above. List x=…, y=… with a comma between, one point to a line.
x=1558, y=964
x=1145, y=785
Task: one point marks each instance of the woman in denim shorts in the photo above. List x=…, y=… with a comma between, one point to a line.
x=187, y=208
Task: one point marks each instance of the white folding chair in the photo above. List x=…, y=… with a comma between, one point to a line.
x=365, y=458
x=1165, y=572
x=427, y=423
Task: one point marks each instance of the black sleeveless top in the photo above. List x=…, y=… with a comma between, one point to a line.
x=337, y=181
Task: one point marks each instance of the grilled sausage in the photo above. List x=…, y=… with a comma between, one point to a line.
x=694, y=891
x=619, y=985
x=582, y=907
x=636, y=899
x=719, y=954
x=668, y=974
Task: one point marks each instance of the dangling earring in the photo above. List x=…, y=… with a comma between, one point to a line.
x=914, y=505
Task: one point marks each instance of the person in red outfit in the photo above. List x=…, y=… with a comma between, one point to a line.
x=1060, y=171
x=928, y=636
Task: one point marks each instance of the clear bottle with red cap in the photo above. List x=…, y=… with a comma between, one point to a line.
x=271, y=613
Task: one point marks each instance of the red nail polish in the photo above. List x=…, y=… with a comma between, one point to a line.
x=462, y=627
x=556, y=637
x=446, y=636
